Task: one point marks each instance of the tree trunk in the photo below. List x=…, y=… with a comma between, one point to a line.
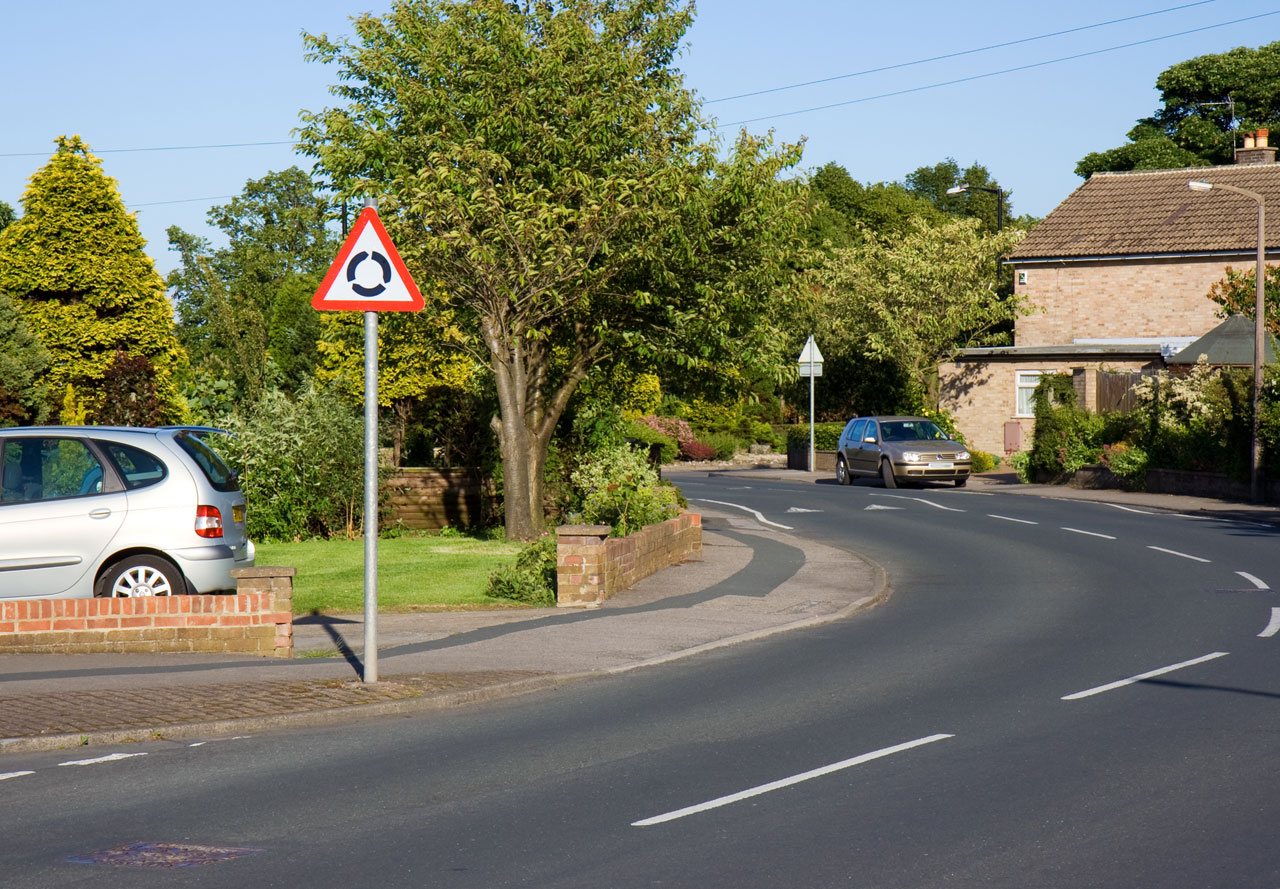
x=528, y=412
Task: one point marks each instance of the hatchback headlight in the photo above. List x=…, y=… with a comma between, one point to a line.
x=963, y=455
x=910, y=457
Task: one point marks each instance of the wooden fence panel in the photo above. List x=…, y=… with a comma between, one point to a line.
x=430, y=499
x=1115, y=391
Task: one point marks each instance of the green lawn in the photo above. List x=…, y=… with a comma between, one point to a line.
x=414, y=573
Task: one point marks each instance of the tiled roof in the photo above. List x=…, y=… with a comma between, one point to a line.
x=1152, y=211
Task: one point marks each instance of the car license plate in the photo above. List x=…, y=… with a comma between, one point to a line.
x=942, y=466
x=237, y=513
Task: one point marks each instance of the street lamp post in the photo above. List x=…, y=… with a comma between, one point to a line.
x=1259, y=328
x=998, y=192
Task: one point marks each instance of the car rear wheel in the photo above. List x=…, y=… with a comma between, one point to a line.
x=141, y=576
x=886, y=474
x=842, y=472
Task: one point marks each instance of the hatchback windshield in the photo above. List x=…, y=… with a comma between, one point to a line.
x=218, y=473
x=911, y=430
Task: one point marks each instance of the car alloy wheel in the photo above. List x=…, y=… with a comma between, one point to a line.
x=141, y=576
x=842, y=472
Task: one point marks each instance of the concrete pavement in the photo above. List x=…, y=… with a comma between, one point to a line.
x=752, y=581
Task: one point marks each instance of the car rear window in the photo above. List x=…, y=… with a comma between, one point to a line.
x=137, y=468
x=219, y=474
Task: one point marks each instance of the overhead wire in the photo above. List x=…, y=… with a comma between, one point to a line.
x=989, y=74
x=957, y=54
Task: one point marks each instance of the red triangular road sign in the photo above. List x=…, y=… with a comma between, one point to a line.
x=368, y=275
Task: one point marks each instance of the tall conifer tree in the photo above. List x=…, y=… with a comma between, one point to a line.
x=75, y=267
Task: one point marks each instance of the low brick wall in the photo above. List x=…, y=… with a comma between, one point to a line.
x=591, y=566
x=258, y=619
x=798, y=458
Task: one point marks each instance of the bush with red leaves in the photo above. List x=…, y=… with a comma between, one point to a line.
x=696, y=450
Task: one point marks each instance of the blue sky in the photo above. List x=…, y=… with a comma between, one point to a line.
x=143, y=74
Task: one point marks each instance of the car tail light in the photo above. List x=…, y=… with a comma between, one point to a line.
x=208, y=521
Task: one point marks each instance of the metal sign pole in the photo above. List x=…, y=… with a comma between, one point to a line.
x=812, y=453
x=370, y=658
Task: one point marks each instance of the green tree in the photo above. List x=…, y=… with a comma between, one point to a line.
x=844, y=207
x=1204, y=102
x=544, y=166
x=244, y=311
x=7, y=216
x=74, y=263
x=933, y=183
x=1237, y=294
x=22, y=363
x=914, y=301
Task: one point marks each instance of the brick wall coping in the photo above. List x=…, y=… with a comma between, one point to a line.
x=584, y=530
x=264, y=571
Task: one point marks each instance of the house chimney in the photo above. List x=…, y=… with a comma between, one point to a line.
x=1256, y=150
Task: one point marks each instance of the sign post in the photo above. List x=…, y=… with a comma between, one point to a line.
x=368, y=276
x=811, y=366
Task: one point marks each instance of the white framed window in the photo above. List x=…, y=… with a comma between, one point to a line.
x=1027, y=380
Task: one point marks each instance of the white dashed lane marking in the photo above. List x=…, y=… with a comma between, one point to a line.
x=1090, y=533
x=1005, y=518
x=1111, y=686
x=1174, y=552
x=113, y=757
x=787, y=782
x=5, y=776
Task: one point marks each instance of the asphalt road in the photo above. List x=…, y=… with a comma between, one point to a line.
x=1057, y=694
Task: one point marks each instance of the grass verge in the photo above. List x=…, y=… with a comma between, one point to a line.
x=414, y=573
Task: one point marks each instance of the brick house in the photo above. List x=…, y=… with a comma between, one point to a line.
x=1119, y=275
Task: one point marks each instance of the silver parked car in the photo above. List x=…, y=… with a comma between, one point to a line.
x=117, y=511
x=900, y=450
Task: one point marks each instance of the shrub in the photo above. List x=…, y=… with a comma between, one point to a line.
x=532, y=579
x=650, y=436
x=1066, y=436
x=1021, y=461
x=618, y=487
x=301, y=464
x=982, y=461
x=696, y=450
x=725, y=445
x=825, y=435
x=1127, y=461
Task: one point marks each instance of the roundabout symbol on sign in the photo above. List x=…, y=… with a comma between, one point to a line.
x=355, y=262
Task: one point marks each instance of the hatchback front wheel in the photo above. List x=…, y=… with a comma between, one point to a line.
x=886, y=474
x=141, y=576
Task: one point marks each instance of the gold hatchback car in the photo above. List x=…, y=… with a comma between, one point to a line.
x=900, y=450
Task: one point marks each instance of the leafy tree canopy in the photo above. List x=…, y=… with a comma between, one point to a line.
x=7, y=216
x=914, y=301
x=1237, y=294
x=933, y=183
x=844, y=207
x=542, y=164
x=1205, y=101
x=244, y=311
x=74, y=263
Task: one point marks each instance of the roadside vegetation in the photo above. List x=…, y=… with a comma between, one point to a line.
x=1199, y=421
x=604, y=285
